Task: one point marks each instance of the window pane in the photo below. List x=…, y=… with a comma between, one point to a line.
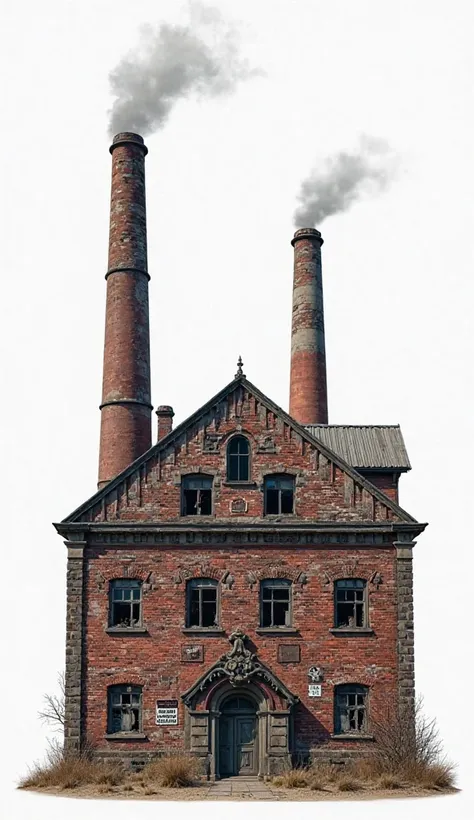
x=209, y=594
x=280, y=610
x=344, y=613
x=208, y=614
x=136, y=594
x=194, y=613
x=266, y=613
x=205, y=502
x=271, y=502
x=287, y=501
x=233, y=470
x=190, y=502
x=120, y=614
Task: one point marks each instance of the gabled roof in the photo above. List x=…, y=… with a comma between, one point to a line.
x=178, y=431
x=365, y=446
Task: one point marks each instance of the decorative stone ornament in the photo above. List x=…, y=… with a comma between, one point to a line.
x=238, y=666
x=239, y=663
x=315, y=674
x=238, y=505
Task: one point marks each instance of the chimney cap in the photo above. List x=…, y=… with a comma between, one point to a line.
x=307, y=233
x=165, y=410
x=125, y=137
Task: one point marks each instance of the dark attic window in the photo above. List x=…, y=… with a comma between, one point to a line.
x=275, y=604
x=238, y=457
x=196, y=495
x=125, y=704
x=279, y=494
x=125, y=602
x=202, y=603
x=350, y=603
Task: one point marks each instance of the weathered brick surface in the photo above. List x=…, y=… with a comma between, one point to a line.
x=155, y=661
x=308, y=389
x=324, y=492
x=126, y=403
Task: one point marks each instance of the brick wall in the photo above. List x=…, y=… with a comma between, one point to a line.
x=155, y=661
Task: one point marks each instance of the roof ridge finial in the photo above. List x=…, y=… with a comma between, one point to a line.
x=240, y=372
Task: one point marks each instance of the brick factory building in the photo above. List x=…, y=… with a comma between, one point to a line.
x=242, y=588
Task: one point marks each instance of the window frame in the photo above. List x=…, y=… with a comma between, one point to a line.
x=365, y=605
x=276, y=476
x=193, y=477
x=115, y=584
x=201, y=584
x=275, y=584
x=121, y=689
x=347, y=689
x=238, y=437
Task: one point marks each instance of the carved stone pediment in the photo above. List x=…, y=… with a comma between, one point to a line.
x=238, y=666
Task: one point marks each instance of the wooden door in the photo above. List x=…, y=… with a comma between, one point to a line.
x=245, y=733
x=227, y=746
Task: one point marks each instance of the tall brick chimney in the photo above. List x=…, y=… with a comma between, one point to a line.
x=308, y=389
x=125, y=431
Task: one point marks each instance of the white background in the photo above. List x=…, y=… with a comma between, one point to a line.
x=222, y=180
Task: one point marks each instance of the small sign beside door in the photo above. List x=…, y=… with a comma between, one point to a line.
x=166, y=712
x=314, y=690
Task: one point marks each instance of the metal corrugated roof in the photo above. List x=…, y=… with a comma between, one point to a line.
x=368, y=446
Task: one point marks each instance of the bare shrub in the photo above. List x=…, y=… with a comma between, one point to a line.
x=54, y=709
x=405, y=735
x=408, y=744
x=348, y=784
x=174, y=771
x=278, y=781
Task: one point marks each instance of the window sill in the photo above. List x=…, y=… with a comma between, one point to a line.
x=356, y=736
x=278, y=516
x=126, y=736
x=127, y=630
x=202, y=630
x=249, y=484
x=352, y=631
x=276, y=630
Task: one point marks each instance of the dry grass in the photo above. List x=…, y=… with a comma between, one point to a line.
x=348, y=784
x=174, y=771
x=389, y=781
x=71, y=772
x=316, y=784
x=292, y=779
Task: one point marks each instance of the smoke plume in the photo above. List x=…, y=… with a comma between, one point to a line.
x=171, y=62
x=343, y=179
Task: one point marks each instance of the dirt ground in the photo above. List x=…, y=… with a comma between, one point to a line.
x=206, y=791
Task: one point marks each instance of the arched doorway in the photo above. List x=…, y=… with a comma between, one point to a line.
x=238, y=736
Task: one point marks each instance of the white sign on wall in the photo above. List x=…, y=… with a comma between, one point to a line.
x=166, y=712
x=314, y=690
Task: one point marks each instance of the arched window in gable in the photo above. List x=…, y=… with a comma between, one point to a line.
x=238, y=459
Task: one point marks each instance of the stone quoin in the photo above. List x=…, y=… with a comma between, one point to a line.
x=241, y=589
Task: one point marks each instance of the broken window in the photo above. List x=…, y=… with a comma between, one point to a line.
x=238, y=456
x=125, y=602
x=125, y=707
x=197, y=495
x=350, y=597
x=275, y=602
x=202, y=602
x=351, y=709
x=279, y=494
